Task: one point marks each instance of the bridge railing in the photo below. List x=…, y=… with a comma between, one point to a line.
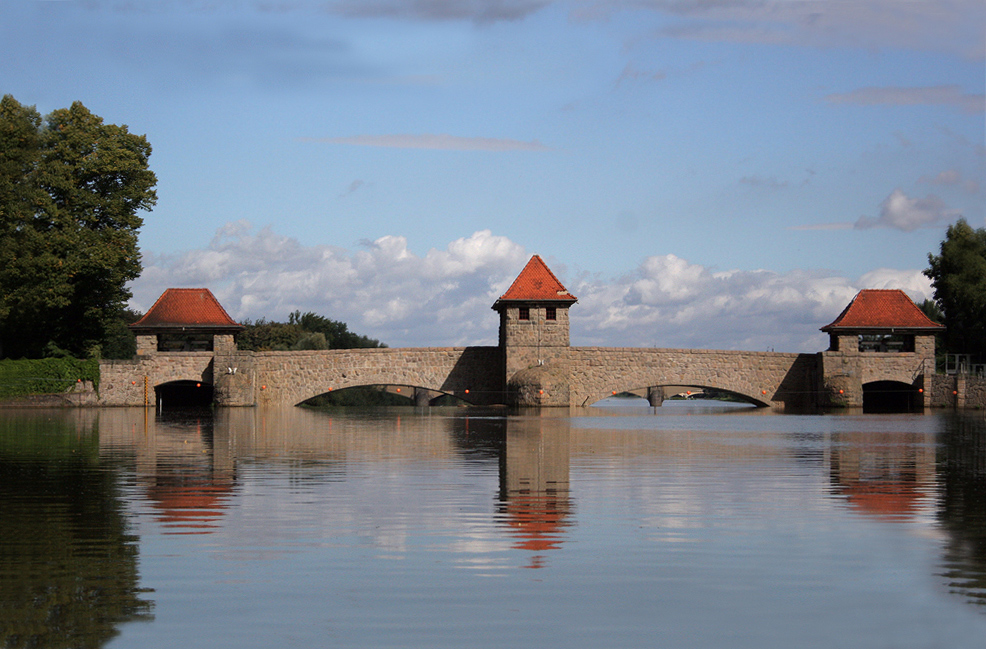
x=961, y=364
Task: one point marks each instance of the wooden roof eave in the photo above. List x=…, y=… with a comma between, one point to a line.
x=560, y=301
x=840, y=329
x=184, y=328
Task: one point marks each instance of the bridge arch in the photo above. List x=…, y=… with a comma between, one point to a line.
x=469, y=373
x=373, y=394
x=763, y=378
x=657, y=393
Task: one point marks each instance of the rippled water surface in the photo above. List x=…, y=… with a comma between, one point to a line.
x=615, y=526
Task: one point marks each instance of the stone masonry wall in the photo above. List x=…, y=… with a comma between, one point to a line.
x=587, y=373
x=146, y=345
x=235, y=378
x=975, y=393
x=849, y=371
x=534, y=340
x=122, y=382
x=570, y=376
x=288, y=378
x=538, y=329
x=958, y=391
x=774, y=379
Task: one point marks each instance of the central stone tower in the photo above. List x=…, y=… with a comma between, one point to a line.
x=534, y=336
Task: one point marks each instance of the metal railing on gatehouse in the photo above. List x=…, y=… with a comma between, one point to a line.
x=961, y=364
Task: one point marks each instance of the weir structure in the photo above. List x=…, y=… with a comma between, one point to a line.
x=881, y=355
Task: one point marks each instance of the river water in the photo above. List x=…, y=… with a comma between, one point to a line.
x=616, y=526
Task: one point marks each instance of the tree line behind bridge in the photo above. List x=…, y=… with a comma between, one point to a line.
x=302, y=331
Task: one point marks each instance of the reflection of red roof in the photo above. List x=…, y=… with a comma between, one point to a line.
x=888, y=500
x=538, y=521
x=536, y=283
x=190, y=505
x=882, y=309
x=187, y=307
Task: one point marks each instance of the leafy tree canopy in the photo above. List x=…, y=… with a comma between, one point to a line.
x=301, y=331
x=958, y=275
x=71, y=188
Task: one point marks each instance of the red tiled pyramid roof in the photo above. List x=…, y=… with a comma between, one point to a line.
x=187, y=307
x=536, y=283
x=882, y=309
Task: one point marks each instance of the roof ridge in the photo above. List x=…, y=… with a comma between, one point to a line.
x=536, y=282
x=882, y=308
x=178, y=307
x=551, y=274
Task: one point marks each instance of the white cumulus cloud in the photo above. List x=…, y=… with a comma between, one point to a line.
x=902, y=212
x=443, y=298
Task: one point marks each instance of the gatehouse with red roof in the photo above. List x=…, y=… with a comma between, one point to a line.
x=881, y=355
x=184, y=320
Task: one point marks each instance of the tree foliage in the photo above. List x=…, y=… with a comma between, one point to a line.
x=958, y=275
x=337, y=334
x=44, y=375
x=301, y=331
x=71, y=188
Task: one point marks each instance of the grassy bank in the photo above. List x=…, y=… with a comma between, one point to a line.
x=44, y=376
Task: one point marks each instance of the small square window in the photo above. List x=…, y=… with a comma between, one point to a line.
x=550, y=313
x=524, y=313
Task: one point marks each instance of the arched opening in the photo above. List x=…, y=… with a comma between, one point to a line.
x=361, y=396
x=364, y=396
x=627, y=399
x=891, y=396
x=656, y=396
x=183, y=394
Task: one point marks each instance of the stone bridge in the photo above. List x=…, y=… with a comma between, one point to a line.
x=764, y=378
x=289, y=378
x=533, y=365
x=473, y=374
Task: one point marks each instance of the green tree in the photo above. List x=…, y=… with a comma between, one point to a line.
x=263, y=336
x=930, y=309
x=71, y=188
x=337, y=334
x=311, y=341
x=958, y=275
x=119, y=341
x=301, y=331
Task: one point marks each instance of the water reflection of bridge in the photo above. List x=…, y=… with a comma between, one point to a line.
x=203, y=474
x=190, y=469
x=188, y=463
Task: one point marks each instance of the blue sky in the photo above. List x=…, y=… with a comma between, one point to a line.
x=700, y=174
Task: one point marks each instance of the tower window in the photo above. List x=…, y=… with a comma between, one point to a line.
x=524, y=313
x=550, y=313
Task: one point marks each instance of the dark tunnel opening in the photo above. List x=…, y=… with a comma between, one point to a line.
x=183, y=394
x=891, y=396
